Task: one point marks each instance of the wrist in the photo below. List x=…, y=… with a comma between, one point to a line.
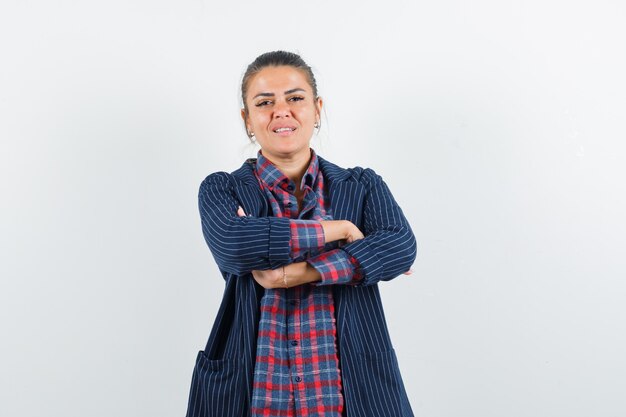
x=312, y=274
x=334, y=230
x=301, y=273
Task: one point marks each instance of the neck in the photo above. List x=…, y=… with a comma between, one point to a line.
x=293, y=166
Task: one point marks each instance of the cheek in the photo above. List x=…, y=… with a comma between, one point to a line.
x=305, y=114
x=256, y=119
x=261, y=116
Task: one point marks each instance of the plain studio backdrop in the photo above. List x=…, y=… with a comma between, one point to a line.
x=498, y=126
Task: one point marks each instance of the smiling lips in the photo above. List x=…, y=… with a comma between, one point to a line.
x=284, y=130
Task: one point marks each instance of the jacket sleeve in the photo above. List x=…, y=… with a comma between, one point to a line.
x=389, y=247
x=240, y=244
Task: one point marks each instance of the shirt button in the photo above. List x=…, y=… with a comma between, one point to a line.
x=290, y=187
x=289, y=204
x=294, y=343
x=297, y=379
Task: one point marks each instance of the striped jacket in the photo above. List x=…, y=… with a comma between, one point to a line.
x=222, y=379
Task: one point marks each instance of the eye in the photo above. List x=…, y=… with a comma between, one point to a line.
x=263, y=103
x=296, y=98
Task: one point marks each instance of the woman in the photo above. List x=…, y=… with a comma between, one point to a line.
x=302, y=244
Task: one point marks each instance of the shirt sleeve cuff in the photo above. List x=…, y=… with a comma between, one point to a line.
x=306, y=236
x=336, y=267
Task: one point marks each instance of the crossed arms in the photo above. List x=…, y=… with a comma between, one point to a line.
x=262, y=245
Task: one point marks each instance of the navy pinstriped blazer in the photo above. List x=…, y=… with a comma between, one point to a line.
x=222, y=379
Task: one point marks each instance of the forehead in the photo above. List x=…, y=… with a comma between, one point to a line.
x=278, y=79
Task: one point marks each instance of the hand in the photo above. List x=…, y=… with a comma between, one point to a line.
x=340, y=230
x=352, y=232
x=269, y=278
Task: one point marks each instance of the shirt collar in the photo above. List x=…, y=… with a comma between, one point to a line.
x=272, y=176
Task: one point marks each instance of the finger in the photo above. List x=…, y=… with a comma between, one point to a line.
x=357, y=237
x=240, y=212
x=409, y=272
x=256, y=276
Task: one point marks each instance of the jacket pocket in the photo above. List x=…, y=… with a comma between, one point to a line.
x=380, y=390
x=216, y=388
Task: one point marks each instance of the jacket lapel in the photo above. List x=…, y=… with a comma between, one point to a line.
x=346, y=197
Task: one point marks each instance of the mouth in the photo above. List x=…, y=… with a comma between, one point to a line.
x=284, y=129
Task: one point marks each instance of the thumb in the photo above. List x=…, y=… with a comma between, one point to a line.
x=240, y=212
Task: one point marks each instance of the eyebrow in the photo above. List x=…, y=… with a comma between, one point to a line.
x=293, y=90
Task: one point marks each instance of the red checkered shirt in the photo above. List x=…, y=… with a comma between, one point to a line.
x=297, y=367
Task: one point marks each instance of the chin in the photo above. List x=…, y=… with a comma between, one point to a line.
x=290, y=150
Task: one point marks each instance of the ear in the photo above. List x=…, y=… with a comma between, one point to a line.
x=318, y=105
x=245, y=119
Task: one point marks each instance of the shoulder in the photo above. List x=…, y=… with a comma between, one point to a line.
x=365, y=176
x=241, y=176
x=244, y=175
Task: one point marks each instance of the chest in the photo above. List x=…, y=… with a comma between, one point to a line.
x=344, y=200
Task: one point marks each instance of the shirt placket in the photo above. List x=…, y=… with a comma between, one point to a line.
x=294, y=304
x=294, y=345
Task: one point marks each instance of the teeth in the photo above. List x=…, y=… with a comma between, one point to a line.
x=283, y=129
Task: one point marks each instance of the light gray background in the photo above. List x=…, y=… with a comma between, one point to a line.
x=498, y=126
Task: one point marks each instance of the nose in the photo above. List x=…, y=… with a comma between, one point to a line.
x=281, y=109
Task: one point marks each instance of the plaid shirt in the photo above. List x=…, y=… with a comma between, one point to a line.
x=297, y=367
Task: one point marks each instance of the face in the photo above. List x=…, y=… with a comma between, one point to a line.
x=282, y=112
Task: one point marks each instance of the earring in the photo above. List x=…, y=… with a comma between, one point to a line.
x=316, y=125
x=251, y=136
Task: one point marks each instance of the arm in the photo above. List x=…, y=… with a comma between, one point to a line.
x=314, y=234
x=332, y=267
x=242, y=243
x=299, y=273
x=389, y=247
